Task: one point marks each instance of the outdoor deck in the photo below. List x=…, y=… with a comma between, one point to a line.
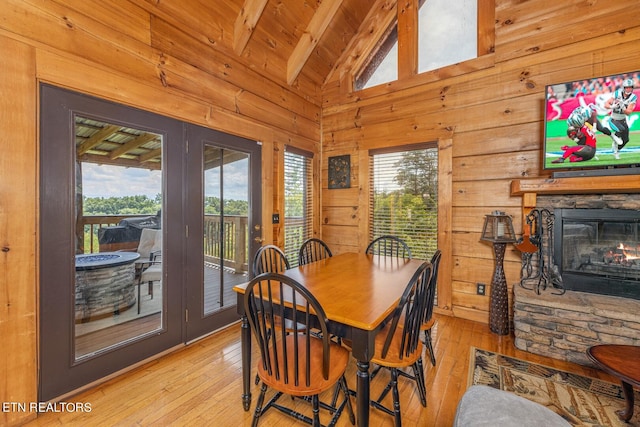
x=101, y=333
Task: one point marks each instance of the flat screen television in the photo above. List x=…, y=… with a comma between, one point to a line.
x=612, y=155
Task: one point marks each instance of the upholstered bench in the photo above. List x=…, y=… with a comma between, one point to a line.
x=483, y=406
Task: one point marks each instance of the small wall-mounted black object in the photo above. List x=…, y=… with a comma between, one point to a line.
x=339, y=172
x=275, y=218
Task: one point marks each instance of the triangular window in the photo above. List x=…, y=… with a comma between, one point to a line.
x=383, y=65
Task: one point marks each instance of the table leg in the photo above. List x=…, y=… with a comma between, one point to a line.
x=245, y=333
x=362, y=396
x=627, y=413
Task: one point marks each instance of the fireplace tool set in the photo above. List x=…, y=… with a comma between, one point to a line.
x=539, y=272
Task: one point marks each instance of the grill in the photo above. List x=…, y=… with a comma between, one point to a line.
x=125, y=235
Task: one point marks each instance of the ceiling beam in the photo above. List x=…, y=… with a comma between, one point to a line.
x=408, y=39
x=133, y=144
x=246, y=23
x=96, y=139
x=319, y=23
x=127, y=163
x=152, y=155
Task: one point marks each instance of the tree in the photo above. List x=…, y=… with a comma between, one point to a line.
x=418, y=174
x=127, y=205
x=405, y=199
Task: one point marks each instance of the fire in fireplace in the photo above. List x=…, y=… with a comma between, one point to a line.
x=598, y=250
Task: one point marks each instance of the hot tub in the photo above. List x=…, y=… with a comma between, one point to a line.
x=105, y=284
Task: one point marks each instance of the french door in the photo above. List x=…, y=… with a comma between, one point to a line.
x=223, y=220
x=131, y=261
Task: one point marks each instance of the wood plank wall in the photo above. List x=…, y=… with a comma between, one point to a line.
x=140, y=53
x=485, y=115
x=488, y=113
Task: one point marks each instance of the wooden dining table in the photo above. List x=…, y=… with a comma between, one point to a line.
x=358, y=293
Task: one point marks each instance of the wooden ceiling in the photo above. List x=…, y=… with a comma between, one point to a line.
x=316, y=41
x=295, y=43
x=109, y=144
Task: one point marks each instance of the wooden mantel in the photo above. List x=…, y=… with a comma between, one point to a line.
x=577, y=185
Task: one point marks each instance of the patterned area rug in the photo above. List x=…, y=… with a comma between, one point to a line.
x=582, y=401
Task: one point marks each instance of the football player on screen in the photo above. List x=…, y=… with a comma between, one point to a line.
x=622, y=103
x=580, y=129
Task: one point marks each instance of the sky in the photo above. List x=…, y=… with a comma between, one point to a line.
x=115, y=181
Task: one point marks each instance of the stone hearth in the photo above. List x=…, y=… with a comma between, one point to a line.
x=565, y=326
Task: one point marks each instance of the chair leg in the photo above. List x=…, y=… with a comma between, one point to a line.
x=258, y=411
x=418, y=373
x=374, y=372
x=345, y=390
x=150, y=288
x=396, y=397
x=388, y=388
x=429, y=344
x=316, y=410
x=139, y=286
x=334, y=399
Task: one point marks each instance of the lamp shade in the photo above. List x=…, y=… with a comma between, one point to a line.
x=498, y=228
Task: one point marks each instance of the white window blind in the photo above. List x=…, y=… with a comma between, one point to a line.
x=298, y=201
x=404, y=198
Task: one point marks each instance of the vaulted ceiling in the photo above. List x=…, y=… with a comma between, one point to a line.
x=287, y=40
x=299, y=44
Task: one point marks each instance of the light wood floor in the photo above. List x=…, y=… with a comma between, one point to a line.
x=200, y=385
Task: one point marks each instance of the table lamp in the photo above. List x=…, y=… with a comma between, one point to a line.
x=498, y=229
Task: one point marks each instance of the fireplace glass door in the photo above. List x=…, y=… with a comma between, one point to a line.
x=599, y=250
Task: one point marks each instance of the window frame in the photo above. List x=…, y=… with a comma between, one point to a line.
x=406, y=19
x=400, y=150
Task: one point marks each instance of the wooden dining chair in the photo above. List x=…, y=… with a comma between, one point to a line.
x=313, y=250
x=428, y=322
x=270, y=259
x=298, y=363
x=389, y=246
x=398, y=345
x=428, y=316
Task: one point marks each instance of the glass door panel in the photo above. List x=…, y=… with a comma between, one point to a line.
x=111, y=238
x=226, y=222
x=223, y=214
x=118, y=235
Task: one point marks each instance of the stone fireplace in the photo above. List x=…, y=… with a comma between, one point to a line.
x=601, y=304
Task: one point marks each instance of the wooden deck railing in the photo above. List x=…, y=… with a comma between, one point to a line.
x=233, y=248
x=232, y=244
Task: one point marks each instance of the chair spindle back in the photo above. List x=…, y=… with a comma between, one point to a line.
x=389, y=246
x=313, y=250
x=266, y=309
x=410, y=310
x=270, y=259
